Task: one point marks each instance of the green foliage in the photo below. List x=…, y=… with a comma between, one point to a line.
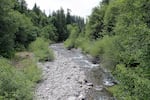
x=25, y=33
x=17, y=81
x=40, y=47
x=145, y=8
x=30, y=69
x=38, y=17
x=16, y=29
x=74, y=32
x=85, y=46
x=95, y=25
x=7, y=28
x=61, y=21
x=49, y=32
x=17, y=84
x=106, y=50
x=132, y=86
x=68, y=17
x=19, y=26
x=21, y=6
x=110, y=18
x=61, y=25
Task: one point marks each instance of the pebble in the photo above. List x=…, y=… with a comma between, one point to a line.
x=90, y=84
x=72, y=98
x=81, y=97
x=61, y=78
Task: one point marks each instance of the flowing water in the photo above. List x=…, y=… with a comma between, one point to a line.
x=97, y=78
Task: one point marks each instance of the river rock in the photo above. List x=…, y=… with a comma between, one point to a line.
x=74, y=66
x=61, y=77
x=108, y=83
x=68, y=78
x=98, y=88
x=85, y=81
x=72, y=98
x=47, y=67
x=90, y=84
x=81, y=97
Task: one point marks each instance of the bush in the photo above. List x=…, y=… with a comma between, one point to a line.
x=26, y=63
x=41, y=49
x=133, y=86
x=106, y=49
x=74, y=32
x=14, y=85
x=18, y=77
x=31, y=71
x=69, y=43
x=85, y=45
x=49, y=32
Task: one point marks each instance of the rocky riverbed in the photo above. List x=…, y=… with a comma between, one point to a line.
x=69, y=77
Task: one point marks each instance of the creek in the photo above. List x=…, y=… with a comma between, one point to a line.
x=73, y=76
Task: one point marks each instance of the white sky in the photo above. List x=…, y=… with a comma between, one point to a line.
x=81, y=8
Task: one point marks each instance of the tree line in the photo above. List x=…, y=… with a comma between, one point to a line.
x=19, y=26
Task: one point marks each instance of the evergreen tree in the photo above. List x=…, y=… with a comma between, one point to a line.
x=68, y=18
x=8, y=26
x=21, y=6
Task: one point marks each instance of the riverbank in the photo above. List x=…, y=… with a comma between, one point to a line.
x=62, y=78
x=66, y=79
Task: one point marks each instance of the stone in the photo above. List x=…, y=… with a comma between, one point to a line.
x=72, y=98
x=81, y=86
x=108, y=83
x=90, y=84
x=85, y=81
x=68, y=78
x=81, y=97
x=74, y=66
x=98, y=88
x=47, y=67
x=80, y=82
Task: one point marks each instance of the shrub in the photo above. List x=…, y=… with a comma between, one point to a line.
x=74, y=33
x=69, y=43
x=14, y=85
x=85, y=45
x=133, y=86
x=18, y=77
x=41, y=49
x=49, y=32
x=32, y=73
x=107, y=50
x=30, y=69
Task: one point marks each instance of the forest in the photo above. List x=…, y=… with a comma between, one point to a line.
x=117, y=33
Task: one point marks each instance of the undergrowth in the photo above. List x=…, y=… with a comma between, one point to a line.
x=17, y=79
